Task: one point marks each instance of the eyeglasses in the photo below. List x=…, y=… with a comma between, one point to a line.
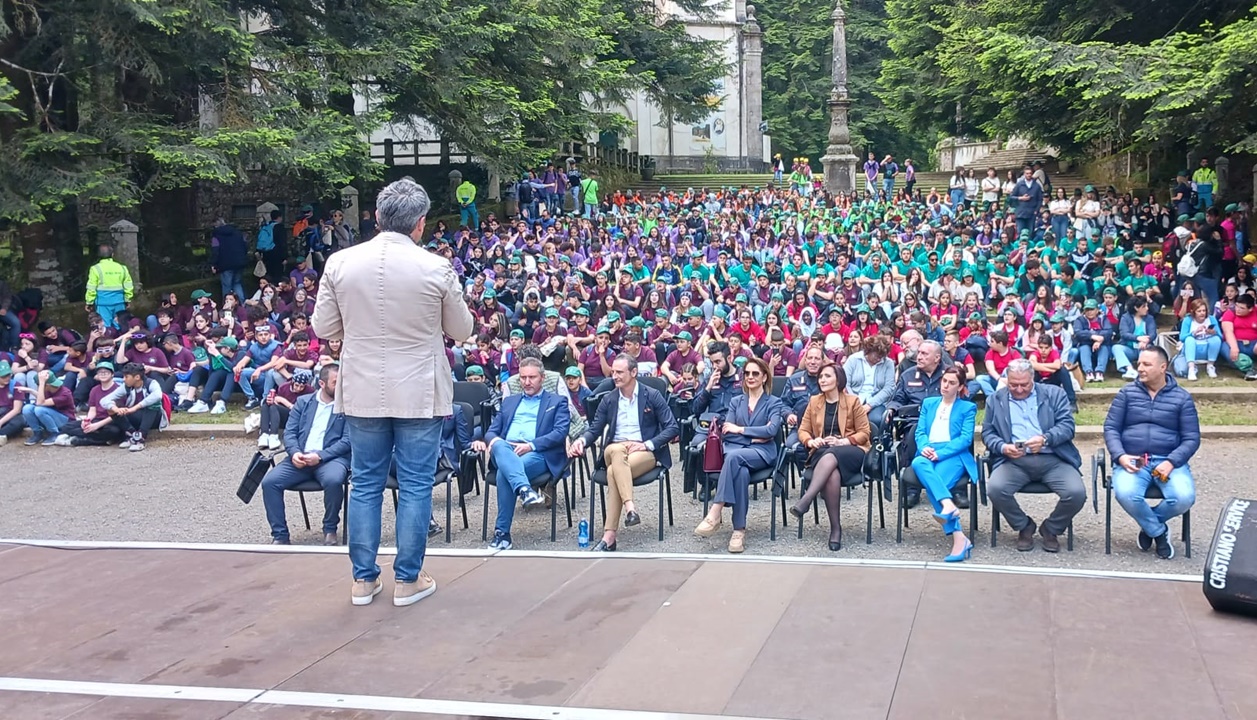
x=753, y=373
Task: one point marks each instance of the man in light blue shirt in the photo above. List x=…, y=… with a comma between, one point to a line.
x=1029, y=431
x=528, y=442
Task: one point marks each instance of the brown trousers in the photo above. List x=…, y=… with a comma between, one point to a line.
x=622, y=467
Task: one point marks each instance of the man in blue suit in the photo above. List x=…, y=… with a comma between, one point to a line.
x=527, y=439
x=639, y=425
x=318, y=449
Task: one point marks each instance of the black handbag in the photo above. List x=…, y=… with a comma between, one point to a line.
x=258, y=467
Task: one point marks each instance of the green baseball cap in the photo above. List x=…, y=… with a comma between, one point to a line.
x=572, y=372
x=55, y=381
x=777, y=296
x=1057, y=317
x=582, y=311
x=228, y=342
x=102, y=365
x=695, y=312
x=603, y=330
x=1110, y=291
x=517, y=333
x=721, y=313
x=1091, y=304
x=474, y=370
x=638, y=322
x=685, y=335
x=5, y=369
x=490, y=294
x=740, y=298
x=552, y=312
x=198, y=294
x=613, y=316
x=976, y=316
x=1184, y=218
x=1231, y=208
x=661, y=313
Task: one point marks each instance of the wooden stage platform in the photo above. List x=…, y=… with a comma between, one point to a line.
x=103, y=634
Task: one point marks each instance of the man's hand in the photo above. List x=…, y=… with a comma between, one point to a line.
x=1164, y=468
x=1127, y=462
x=577, y=448
x=43, y=376
x=1036, y=443
x=792, y=419
x=713, y=382
x=479, y=446
x=1235, y=353
x=632, y=446
x=929, y=454
x=1012, y=452
x=521, y=448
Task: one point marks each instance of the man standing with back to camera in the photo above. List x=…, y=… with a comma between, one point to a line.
x=391, y=302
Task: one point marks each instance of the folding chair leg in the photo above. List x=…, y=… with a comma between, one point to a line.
x=1069, y=537
x=772, y=524
x=394, y=502
x=304, y=512
x=450, y=482
x=994, y=524
x=344, y=523
x=554, y=511
x=881, y=507
x=973, y=509
x=868, y=525
x=901, y=512
x=484, y=515
x=1108, y=518
x=568, y=502
x=1187, y=532
x=667, y=478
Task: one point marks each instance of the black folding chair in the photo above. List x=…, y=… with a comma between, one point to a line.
x=1100, y=477
x=975, y=491
x=658, y=474
x=848, y=483
x=1034, y=488
x=313, y=486
x=759, y=477
x=655, y=383
x=541, y=482
x=780, y=382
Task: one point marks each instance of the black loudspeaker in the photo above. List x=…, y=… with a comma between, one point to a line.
x=1231, y=569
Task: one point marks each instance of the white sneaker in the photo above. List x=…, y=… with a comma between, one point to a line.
x=63, y=440
x=125, y=444
x=198, y=407
x=1191, y=372
x=4, y=439
x=1130, y=374
x=137, y=446
x=252, y=422
x=1211, y=371
x=263, y=440
x=220, y=408
x=272, y=442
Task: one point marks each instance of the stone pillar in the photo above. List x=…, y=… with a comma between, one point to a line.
x=1193, y=162
x=839, y=160
x=495, y=185
x=1254, y=186
x=349, y=204
x=1222, y=166
x=456, y=179
x=752, y=90
x=126, y=247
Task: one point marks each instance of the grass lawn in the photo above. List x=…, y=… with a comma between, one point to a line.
x=234, y=416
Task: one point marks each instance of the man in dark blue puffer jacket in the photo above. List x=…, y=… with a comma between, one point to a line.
x=1151, y=431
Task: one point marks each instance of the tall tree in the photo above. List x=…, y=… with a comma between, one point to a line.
x=798, y=57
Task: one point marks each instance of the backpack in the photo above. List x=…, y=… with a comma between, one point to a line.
x=266, y=237
x=1188, y=265
x=525, y=192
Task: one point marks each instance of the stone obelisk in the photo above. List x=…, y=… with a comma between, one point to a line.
x=839, y=160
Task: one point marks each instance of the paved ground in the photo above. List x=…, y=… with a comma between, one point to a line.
x=185, y=491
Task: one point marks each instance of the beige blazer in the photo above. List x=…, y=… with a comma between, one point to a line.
x=391, y=302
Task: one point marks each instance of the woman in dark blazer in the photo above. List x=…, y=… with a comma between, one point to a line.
x=835, y=428
x=750, y=431
x=945, y=454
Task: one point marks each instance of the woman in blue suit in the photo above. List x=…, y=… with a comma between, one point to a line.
x=750, y=432
x=945, y=454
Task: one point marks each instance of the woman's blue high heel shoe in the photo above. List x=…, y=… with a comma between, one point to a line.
x=962, y=556
x=946, y=517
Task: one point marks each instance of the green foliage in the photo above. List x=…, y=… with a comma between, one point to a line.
x=111, y=100
x=1065, y=73
x=798, y=50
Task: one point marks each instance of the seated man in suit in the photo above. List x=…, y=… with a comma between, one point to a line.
x=1029, y=430
x=526, y=440
x=318, y=449
x=639, y=426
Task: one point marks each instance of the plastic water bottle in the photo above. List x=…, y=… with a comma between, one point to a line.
x=582, y=533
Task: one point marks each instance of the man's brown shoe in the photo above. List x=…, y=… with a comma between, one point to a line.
x=1025, y=538
x=364, y=591
x=409, y=593
x=1050, y=542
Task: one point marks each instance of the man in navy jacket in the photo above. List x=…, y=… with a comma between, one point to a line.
x=318, y=449
x=527, y=439
x=639, y=425
x=1151, y=432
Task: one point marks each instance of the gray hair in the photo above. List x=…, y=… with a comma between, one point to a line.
x=930, y=343
x=401, y=205
x=532, y=362
x=1020, y=365
x=628, y=359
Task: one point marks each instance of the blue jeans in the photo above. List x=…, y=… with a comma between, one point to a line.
x=247, y=378
x=1192, y=348
x=514, y=473
x=231, y=280
x=1179, y=492
x=1093, y=360
x=1124, y=357
x=42, y=418
x=888, y=186
x=1026, y=224
x=331, y=475
x=469, y=216
x=10, y=328
x=1060, y=225
x=417, y=442
x=988, y=384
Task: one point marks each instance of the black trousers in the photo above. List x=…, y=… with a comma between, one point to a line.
x=14, y=427
x=143, y=421
x=110, y=434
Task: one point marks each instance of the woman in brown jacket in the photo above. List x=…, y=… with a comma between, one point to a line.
x=835, y=427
